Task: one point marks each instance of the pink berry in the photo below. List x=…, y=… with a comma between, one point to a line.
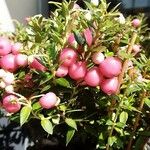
x=2, y=73
x=10, y=104
x=2, y=84
x=16, y=48
x=76, y=6
x=28, y=77
x=62, y=71
x=8, y=63
x=68, y=56
x=93, y=77
x=71, y=40
x=98, y=57
x=136, y=48
x=21, y=60
x=8, y=78
x=88, y=36
x=27, y=19
x=48, y=100
x=35, y=64
x=5, y=46
x=9, y=89
x=77, y=70
x=110, y=67
x=136, y=23
x=109, y=86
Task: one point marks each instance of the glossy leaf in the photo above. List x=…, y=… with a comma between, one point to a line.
x=47, y=126
x=70, y=122
x=63, y=82
x=69, y=135
x=24, y=114
x=123, y=117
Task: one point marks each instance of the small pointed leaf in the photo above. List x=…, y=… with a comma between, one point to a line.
x=69, y=135
x=47, y=125
x=24, y=114
x=70, y=122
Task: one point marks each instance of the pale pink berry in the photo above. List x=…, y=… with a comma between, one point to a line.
x=76, y=6
x=2, y=84
x=88, y=36
x=110, y=86
x=68, y=56
x=136, y=23
x=35, y=64
x=8, y=63
x=5, y=46
x=9, y=89
x=48, y=100
x=98, y=57
x=77, y=70
x=72, y=40
x=9, y=78
x=27, y=19
x=110, y=67
x=21, y=60
x=62, y=71
x=93, y=77
x=136, y=48
x=16, y=48
x=2, y=73
x=11, y=104
x=28, y=77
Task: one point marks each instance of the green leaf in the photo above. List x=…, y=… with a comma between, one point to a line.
x=112, y=140
x=69, y=135
x=119, y=130
x=123, y=117
x=63, y=82
x=21, y=74
x=38, y=38
x=140, y=141
x=36, y=106
x=56, y=119
x=46, y=88
x=70, y=122
x=145, y=133
x=147, y=101
x=109, y=54
x=24, y=114
x=80, y=40
x=44, y=80
x=124, y=55
x=52, y=51
x=109, y=123
x=47, y=125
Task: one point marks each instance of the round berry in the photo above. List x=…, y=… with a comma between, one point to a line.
x=110, y=67
x=5, y=46
x=48, y=100
x=10, y=104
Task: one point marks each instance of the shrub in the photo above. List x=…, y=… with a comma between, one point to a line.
x=108, y=100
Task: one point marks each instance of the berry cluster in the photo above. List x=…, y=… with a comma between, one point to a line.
x=12, y=59
x=103, y=73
